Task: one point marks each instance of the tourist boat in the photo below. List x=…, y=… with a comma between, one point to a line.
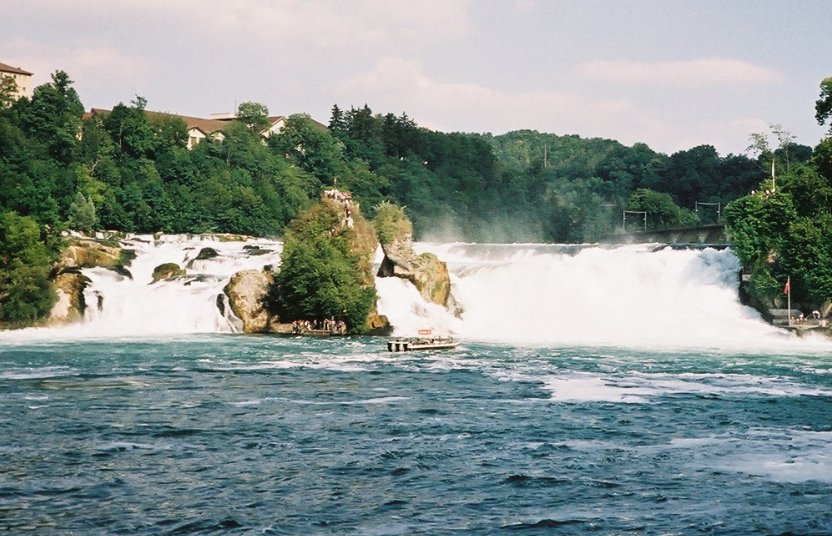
x=423, y=342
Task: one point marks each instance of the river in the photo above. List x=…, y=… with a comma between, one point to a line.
x=552, y=416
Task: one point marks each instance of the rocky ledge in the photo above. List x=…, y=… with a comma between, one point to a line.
x=427, y=273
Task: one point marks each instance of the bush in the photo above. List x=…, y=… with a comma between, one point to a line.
x=26, y=293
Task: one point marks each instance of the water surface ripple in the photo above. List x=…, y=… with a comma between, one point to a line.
x=227, y=434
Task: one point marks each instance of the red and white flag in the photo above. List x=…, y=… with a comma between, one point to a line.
x=788, y=287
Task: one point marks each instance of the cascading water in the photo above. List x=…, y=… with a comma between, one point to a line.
x=547, y=294
x=529, y=293
x=120, y=305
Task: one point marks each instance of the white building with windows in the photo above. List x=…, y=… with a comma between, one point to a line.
x=22, y=80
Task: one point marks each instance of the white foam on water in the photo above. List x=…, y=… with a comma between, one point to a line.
x=647, y=388
x=537, y=294
x=136, y=306
x=589, y=388
x=520, y=294
x=801, y=457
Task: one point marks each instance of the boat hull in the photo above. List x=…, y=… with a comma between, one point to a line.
x=404, y=345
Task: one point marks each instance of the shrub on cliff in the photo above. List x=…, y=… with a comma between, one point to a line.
x=320, y=276
x=391, y=223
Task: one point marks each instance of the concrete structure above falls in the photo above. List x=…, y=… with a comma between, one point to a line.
x=712, y=235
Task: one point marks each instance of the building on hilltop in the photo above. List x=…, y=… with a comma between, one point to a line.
x=214, y=127
x=22, y=80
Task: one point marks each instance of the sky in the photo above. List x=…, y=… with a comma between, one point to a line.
x=673, y=74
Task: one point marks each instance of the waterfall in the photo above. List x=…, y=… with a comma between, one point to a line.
x=133, y=305
x=587, y=295
x=533, y=294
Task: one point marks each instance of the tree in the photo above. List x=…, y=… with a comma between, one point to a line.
x=26, y=293
x=660, y=208
x=82, y=213
x=311, y=147
x=254, y=116
x=320, y=276
x=53, y=117
x=823, y=106
x=8, y=89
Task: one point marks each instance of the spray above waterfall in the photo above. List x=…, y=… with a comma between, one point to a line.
x=533, y=294
x=590, y=295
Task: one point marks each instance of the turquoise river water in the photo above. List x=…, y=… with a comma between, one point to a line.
x=596, y=390
x=234, y=434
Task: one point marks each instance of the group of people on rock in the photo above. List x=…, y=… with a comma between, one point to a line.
x=345, y=199
x=329, y=325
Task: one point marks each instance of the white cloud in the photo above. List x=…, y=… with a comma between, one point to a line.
x=324, y=23
x=91, y=66
x=698, y=73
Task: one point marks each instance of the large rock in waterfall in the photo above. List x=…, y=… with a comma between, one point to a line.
x=70, y=306
x=70, y=283
x=90, y=253
x=246, y=291
x=167, y=271
x=427, y=273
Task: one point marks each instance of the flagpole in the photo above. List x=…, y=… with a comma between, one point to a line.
x=789, y=294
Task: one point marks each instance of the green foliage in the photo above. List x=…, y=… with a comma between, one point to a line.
x=786, y=234
x=823, y=106
x=320, y=276
x=254, y=116
x=53, y=117
x=82, y=213
x=26, y=293
x=391, y=222
x=310, y=147
x=661, y=210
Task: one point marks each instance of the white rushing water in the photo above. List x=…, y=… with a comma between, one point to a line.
x=628, y=295
x=527, y=294
x=118, y=305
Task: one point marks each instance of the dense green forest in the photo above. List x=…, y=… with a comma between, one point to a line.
x=129, y=170
x=782, y=231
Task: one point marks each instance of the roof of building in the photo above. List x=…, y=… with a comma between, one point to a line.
x=14, y=70
x=208, y=126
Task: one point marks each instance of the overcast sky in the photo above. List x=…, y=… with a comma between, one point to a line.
x=672, y=74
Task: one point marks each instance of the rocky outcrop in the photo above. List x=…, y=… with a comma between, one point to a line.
x=70, y=283
x=70, y=306
x=167, y=271
x=246, y=291
x=89, y=253
x=427, y=273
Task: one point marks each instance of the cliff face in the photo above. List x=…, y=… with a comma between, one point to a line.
x=70, y=283
x=427, y=273
x=363, y=243
x=246, y=291
x=71, y=305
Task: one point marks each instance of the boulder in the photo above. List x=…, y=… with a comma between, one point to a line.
x=87, y=253
x=70, y=306
x=378, y=324
x=427, y=273
x=246, y=291
x=167, y=271
x=203, y=255
x=206, y=253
